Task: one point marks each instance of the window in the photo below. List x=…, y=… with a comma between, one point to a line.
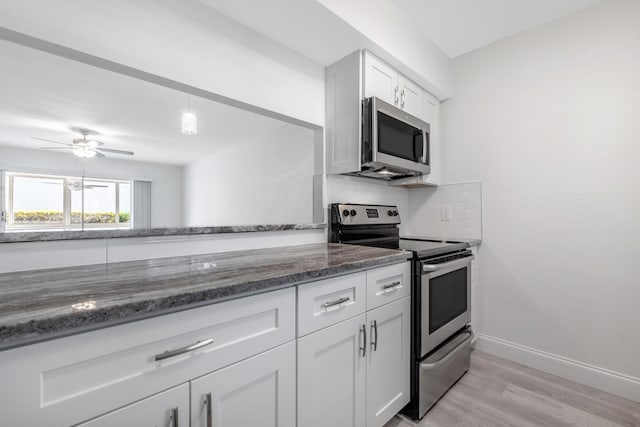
x=37, y=202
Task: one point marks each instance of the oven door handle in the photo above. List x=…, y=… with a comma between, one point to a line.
x=449, y=355
x=428, y=268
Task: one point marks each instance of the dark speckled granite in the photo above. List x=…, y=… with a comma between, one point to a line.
x=39, y=305
x=43, y=236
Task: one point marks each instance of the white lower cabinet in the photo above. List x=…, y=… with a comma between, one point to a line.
x=388, y=361
x=331, y=376
x=232, y=364
x=260, y=391
x=166, y=409
x=356, y=373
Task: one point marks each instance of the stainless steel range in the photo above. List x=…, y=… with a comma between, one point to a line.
x=441, y=297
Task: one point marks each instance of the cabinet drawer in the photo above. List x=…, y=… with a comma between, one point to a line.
x=387, y=284
x=65, y=381
x=330, y=301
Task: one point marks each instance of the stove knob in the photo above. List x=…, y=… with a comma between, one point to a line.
x=395, y=213
x=353, y=212
x=390, y=213
x=345, y=212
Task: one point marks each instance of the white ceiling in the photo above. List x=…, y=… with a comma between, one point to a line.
x=44, y=95
x=460, y=26
x=304, y=26
x=456, y=26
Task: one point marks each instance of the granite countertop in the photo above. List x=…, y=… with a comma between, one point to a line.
x=45, y=236
x=39, y=305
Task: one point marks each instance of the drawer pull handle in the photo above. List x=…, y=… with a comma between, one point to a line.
x=208, y=404
x=391, y=286
x=335, y=302
x=174, y=417
x=171, y=353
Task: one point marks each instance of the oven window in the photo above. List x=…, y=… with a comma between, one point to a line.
x=447, y=298
x=399, y=139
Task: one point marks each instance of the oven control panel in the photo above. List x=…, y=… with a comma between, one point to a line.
x=353, y=214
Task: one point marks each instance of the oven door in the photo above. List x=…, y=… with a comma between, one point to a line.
x=445, y=301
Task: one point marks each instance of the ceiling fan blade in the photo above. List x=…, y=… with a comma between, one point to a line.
x=56, y=148
x=95, y=186
x=51, y=140
x=98, y=153
x=109, y=150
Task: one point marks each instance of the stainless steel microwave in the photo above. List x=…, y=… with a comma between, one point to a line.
x=394, y=144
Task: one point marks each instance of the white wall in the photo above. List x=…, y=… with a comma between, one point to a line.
x=166, y=180
x=270, y=178
x=184, y=40
x=548, y=122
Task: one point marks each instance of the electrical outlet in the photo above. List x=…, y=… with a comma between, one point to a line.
x=445, y=213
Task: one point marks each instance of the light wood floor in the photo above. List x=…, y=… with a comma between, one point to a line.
x=496, y=393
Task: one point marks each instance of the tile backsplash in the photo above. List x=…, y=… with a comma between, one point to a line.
x=448, y=211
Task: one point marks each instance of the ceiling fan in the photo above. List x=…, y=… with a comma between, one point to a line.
x=84, y=147
x=76, y=184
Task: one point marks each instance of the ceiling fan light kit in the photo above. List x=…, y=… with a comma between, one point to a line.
x=83, y=147
x=84, y=152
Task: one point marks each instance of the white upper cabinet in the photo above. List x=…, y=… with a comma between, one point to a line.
x=363, y=75
x=383, y=81
x=429, y=108
x=410, y=97
x=380, y=80
x=431, y=114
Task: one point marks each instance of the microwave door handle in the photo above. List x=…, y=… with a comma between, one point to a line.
x=426, y=140
x=417, y=138
x=374, y=129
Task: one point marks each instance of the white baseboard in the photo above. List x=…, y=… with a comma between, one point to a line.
x=593, y=376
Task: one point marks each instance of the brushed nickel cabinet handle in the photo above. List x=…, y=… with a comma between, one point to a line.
x=402, y=98
x=335, y=302
x=186, y=349
x=363, y=347
x=391, y=286
x=174, y=417
x=209, y=410
x=374, y=335
x=395, y=96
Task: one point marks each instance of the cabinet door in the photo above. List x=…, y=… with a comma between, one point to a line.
x=331, y=376
x=431, y=115
x=259, y=391
x=409, y=96
x=429, y=107
x=166, y=409
x=388, y=361
x=380, y=79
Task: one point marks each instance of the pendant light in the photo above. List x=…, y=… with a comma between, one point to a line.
x=189, y=120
